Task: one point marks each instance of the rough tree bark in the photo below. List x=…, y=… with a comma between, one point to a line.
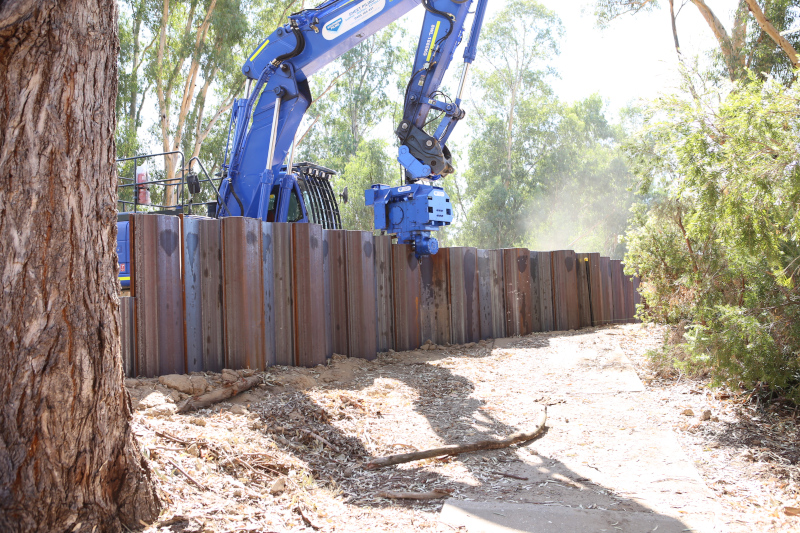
x=68, y=458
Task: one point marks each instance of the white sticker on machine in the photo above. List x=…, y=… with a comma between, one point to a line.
x=352, y=18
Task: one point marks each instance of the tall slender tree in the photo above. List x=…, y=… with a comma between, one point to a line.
x=68, y=457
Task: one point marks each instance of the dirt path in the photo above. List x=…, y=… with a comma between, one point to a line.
x=289, y=456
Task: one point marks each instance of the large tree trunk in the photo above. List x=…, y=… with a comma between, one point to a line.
x=68, y=458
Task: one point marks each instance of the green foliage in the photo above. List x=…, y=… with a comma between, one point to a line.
x=718, y=244
x=543, y=173
x=368, y=165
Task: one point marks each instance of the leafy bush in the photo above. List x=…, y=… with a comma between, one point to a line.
x=717, y=244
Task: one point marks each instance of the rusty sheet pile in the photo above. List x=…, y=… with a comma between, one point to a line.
x=239, y=293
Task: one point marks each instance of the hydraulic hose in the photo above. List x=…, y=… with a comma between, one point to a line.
x=298, y=47
x=428, y=5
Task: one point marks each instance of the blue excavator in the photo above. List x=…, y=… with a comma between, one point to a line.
x=259, y=177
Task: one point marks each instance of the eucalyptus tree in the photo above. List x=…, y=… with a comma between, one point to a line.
x=186, y=55
x=69, y=460
x=760, y=38
x=512, y=124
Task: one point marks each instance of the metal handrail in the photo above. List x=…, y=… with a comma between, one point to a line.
x=134, y=185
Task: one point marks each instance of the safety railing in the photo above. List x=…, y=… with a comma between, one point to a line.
x=188, y=184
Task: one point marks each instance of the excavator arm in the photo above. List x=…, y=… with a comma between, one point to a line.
x=256, y=182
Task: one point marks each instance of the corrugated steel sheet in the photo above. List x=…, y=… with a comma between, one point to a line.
x=434, y=307
x=268, y=280
x=498, y=294
x=566, y=311
x=243, y=293
x=517, y=279
x=383, y=291
x=492, y=301
x=362, y=319
x=407, y=288
x=546, y=316
x=338, y=290
x=595, y=289
x=465, y=318
x=127, y=315
x=618, y=291
x=326, y=281
x=533, y=268
x=192, y=293
x=584, y=296
x=283, y=291
x=202, y=275
x=309, y=295
x=608, y=291
x=159, y=292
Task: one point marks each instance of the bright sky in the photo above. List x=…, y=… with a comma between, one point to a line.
x=633, y=58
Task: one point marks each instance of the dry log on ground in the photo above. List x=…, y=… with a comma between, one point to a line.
x=455, y=449
x=218, y=395
x=432, y=495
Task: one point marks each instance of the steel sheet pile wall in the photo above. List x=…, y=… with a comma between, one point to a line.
x=517, y=279
x=202, y=285
x=434, y=307
x=308, y=295
x=241, y=293
x=156, y=276
x=362, y=320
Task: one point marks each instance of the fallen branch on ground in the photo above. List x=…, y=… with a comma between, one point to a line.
x=320, y=439
x=432, y=495
x=512, y=476
x=455, y=449
x=190, y=478
x=218, y=395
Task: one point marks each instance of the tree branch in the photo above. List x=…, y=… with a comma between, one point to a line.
x=143, y=52
x=455, y=449
x=302, y=137
x=674, y=27
x=739, y=34
x=686, y=239
x=722, y=36
x=770, y=30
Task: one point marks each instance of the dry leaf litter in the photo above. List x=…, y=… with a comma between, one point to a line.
x=289, y=455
